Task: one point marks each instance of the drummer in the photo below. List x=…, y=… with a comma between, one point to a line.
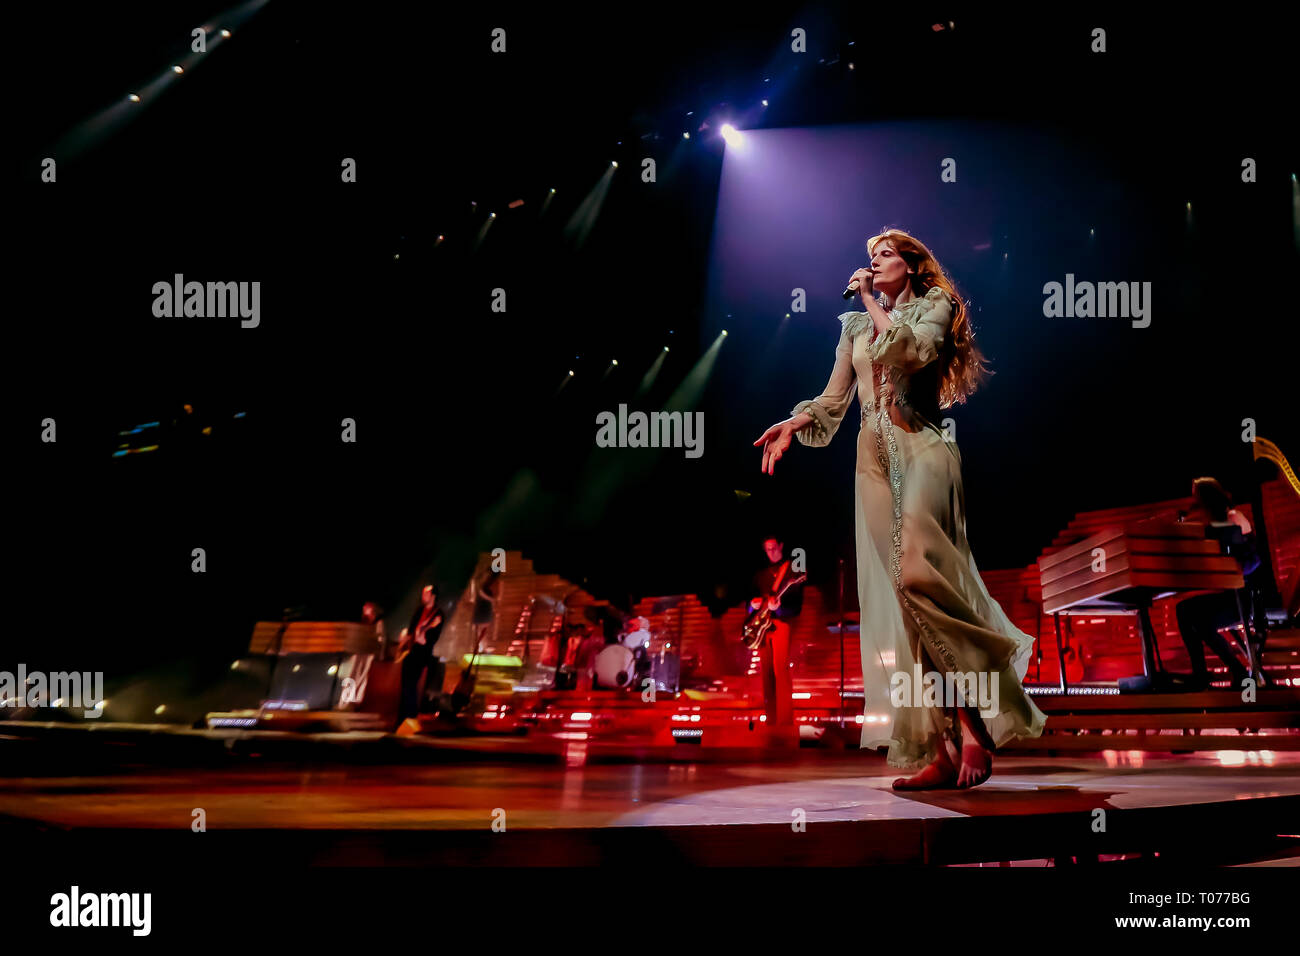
x=637, y=634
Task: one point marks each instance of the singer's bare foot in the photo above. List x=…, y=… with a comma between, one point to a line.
x=976, y=765
x=940, y=773
x=976, y=750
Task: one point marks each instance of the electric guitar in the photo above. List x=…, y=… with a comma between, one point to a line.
x=404, y=646
x=760, y=621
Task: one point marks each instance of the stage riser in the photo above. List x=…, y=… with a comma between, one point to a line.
x=1220, y=701
x=1151, y=743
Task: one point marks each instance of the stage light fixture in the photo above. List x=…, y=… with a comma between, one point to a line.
x=225, y=33
x=177, y=70
x=134, y=98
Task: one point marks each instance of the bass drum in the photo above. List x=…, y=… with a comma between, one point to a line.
x=614, y=667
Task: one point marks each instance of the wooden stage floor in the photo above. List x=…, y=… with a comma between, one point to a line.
x=1226, y=807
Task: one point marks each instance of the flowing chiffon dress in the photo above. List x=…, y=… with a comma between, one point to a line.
x=921, y=596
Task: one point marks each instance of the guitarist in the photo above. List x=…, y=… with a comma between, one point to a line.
x=416, y=654
x=774, y=655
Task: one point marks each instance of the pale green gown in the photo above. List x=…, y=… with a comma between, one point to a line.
x=920, y=594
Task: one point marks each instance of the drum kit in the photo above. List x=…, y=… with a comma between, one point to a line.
x=623, y=664
x=627, y=664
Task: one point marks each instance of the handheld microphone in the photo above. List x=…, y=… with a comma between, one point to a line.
x=852, y=289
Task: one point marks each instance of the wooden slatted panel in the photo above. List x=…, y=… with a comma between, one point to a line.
x=1087, y=523
x=1151, y=554
x=313, y=637
x=701, y=639
x=714, y=645
x=1281, y=507
x=518, y=584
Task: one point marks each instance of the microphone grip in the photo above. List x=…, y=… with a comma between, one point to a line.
x=854, y=287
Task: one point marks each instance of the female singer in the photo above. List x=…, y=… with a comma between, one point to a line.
x=923, y=602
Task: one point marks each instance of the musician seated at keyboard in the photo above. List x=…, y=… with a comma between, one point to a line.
x=774, y=655
x=1201, y=617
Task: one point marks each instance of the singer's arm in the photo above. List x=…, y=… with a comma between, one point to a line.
x=878, y=314
x=822, y=415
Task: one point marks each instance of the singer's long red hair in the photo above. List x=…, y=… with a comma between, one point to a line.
x=966, y=366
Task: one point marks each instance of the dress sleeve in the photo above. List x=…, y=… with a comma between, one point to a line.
x=828, y=408
x=910, y=346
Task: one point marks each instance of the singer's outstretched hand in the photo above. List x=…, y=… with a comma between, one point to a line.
x=775, y=441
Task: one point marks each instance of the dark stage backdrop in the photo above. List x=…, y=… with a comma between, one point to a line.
x=465, y=438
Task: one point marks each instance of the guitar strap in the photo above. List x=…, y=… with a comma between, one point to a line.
x=426, y=620
x=780, y=576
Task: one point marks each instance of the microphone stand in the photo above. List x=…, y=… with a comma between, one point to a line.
x=839, y=630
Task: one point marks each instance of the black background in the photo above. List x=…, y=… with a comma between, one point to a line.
x=464, y=444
